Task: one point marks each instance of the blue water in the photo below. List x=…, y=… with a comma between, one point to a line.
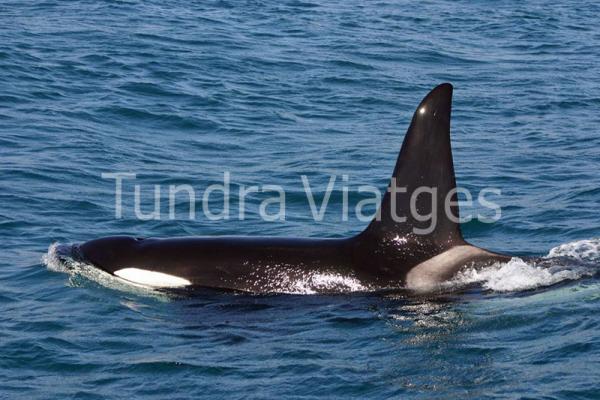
x=180, y=91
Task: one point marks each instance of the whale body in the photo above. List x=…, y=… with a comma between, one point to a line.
x=396, y=250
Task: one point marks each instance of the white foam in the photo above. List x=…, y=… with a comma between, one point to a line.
x=583, y=250
x=517, y=275
x=51, y=260
x=324, y=282
x=151, y=278
x=400, y=240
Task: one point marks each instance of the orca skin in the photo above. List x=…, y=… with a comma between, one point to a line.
x=387, y=254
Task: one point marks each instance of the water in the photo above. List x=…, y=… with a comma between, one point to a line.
x=179, y=92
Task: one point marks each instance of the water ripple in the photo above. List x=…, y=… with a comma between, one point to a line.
x=181, y=91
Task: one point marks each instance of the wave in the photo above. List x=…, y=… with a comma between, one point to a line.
x=566, y=262
x=519, y=275
x=581, y=250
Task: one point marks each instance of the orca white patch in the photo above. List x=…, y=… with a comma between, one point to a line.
x=151, y=278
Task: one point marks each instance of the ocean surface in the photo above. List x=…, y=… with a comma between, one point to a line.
x=180, y=92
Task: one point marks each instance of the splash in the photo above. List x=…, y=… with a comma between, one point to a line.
x=288, y=279
x=582, y=250
x=325, y=282
x=569, y=261
x=52, y=261
x=517, y=275
x=55, y=260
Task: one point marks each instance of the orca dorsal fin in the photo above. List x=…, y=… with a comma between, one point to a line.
x=424, y=166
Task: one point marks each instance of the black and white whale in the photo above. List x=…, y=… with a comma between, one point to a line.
x=396, y=250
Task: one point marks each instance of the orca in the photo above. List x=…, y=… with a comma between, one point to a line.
x=394, y=251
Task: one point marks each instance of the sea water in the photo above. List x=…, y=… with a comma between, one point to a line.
x=179, y=92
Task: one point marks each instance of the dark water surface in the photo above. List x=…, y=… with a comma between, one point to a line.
x=181, y=91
